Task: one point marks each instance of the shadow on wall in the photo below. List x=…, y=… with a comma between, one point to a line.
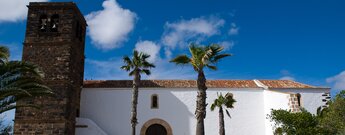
x=171, y=108
x=110, y=109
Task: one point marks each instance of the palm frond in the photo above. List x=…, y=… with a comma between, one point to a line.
x=198, y=59
x=131, y=73
x=126, y=68
x=211, y=67
x=229, y=100
x=146, y=71
x=213, y=106
x=17, y=67
x=146, y=64
x=20, y=80
x=144, y=56
x=181, y=60
x=14, y=91
x=216, y=49
x=127, y=60
x=226, y=100
x=136, y=58
x=13, y=106
x=193, y=49
x=216, y=58
x=138, y=63
x=4, y=54
x=227, y=113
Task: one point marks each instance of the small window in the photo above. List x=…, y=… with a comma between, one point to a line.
x=154, y=101
x=77, y=113
x=54, y=23
x=43, y=23
x=299, y=99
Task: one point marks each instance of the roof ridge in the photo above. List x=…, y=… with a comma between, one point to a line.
x=260, y=84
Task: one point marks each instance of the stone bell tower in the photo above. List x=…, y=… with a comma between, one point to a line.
x=54, y=40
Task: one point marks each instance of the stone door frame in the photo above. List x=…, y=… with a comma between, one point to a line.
x=156, y=121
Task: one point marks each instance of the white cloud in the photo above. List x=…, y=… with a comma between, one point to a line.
x=168, y=53
x=338, y=81
x=105, y=70
x=150, y=48
x=287, y=78
x=227, y=44
x=14, y=10
x=285, y=72
x=234, y=29
x=286, y=75
x=110, y=70
x=166, y=70
x=195, y=29
x=109, y=27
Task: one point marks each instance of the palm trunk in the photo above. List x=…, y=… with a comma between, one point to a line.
x=200, y=112
x=135, y=92
x=221, y=122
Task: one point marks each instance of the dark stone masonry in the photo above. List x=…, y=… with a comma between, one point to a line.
x=54, y=40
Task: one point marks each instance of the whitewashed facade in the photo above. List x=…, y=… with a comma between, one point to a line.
x=105, y=106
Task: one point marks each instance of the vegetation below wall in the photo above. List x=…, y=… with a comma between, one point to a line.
x=327, y=121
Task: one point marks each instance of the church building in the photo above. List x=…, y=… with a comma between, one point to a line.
x=55, y=40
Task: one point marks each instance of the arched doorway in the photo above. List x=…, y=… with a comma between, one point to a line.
x=156, y=127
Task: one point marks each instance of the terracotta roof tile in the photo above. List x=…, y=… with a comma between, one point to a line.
x=284, y=84
x=169, y=84
x=278, y=84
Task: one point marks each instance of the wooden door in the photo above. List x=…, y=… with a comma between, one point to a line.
x=156, y=129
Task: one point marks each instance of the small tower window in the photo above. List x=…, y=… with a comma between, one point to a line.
x=299, y=99
x=154, y=101
x=43, y=23
x=54, y=23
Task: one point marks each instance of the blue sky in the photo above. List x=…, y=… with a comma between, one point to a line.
x=302, y=40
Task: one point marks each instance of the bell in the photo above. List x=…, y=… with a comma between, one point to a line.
x=44, y=21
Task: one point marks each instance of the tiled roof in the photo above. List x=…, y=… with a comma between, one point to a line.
x=284, y=84
x=192, y=84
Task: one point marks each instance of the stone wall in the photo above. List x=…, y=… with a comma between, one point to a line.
x=293, y=103
x=61, y=56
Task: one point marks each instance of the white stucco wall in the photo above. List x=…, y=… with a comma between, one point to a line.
x=274, y=100
x=110, y=110
x=90, y=129
x=311, y=99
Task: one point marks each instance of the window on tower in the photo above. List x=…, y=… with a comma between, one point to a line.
x=43, y=23
x=54, y=23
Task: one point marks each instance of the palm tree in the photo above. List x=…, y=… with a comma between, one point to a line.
x=227, y=101
x=201, y=56
x=136, y=66
x=18, y=81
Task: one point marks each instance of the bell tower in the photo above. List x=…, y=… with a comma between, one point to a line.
x=54, y=40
